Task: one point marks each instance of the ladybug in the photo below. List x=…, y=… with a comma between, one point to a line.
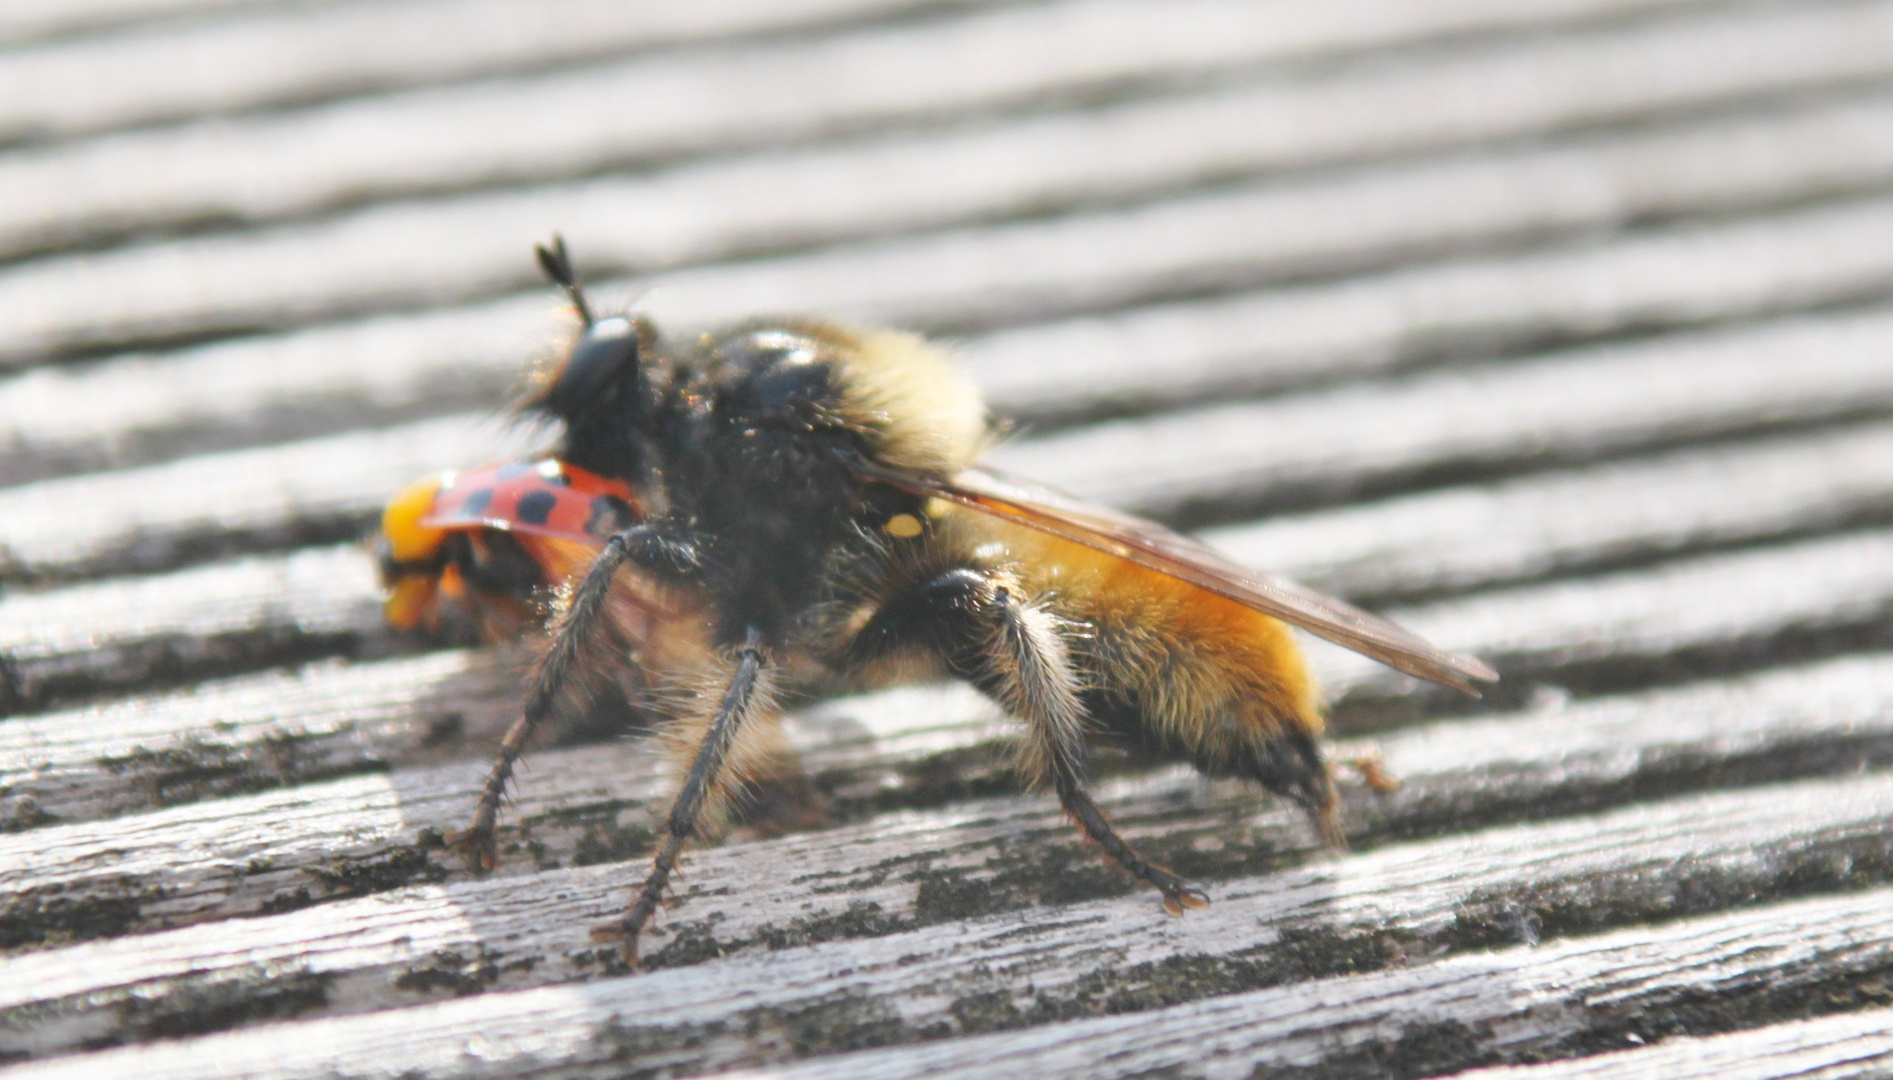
x=483, y=551
x=490, y=543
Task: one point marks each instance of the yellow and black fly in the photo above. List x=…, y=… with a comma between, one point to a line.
x=797, y=492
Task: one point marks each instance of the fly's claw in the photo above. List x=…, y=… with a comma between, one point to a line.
x=475, y=843
x=1373, y=772
x=1179, y=895
x=1181, y=898
x=625, y=938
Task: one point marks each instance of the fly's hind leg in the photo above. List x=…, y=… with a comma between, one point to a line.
x=987, y=630
x=575, y=636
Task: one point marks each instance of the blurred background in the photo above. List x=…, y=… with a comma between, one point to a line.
x=1561, y=330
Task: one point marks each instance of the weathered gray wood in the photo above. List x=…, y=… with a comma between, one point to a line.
x=268, y=497
x=1500, y=1005
x=1549, y=409
x=237, y=735
x=282, y=849
x=389, y=368
x=1457, y=310
x=274, y=57
x=1476, y=535
x=1397, y=905
x=308, y=53
x=239, y=855
x=264, y=609
x=1356, y=227
x=252, y=612
x=1556, y=999
x=1454, y=736
x=26, y=20
x=971, y=277
x=1711, y=613
x=142, y=409
x=87, y=191
x=1573, y=407
x=1856, y=1044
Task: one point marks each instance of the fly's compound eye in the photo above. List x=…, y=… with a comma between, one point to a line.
x=605, y=353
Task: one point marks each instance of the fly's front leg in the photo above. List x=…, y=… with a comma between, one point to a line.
x=641, y=546
x=1014, y=650
x=746, y=697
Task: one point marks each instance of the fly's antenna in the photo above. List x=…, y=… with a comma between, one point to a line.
x=557, y=264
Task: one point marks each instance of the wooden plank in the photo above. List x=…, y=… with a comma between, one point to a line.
x=1521, y=1003
x=1495, y=1006
x=1452, y=311
x=1551, y=409
x=400, y=255
x=288, y=56
x=1686, y=856
x=149, y=408
x=125, y=634
x=1233, y=459
x=1854, y=1044
x=129, y=633
x=277, y=496
x=142, y=408
x=244, y=734
x=1587, y=634
x=1545, y=524
x=27, y=21
x=1716, y=613
x=294, y=164
x=888, y=762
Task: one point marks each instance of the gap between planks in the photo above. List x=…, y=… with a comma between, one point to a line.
x=966, y=278
x=292, y=56
x=1830, y=1048
x=264, y=609
x=296, y=57
x=1551, y=409
x=269, y=730
x=1396, y=905
x=1557, y=998
x=305, y=163
x=280, y=850
x=1570, y=997
x=135, y=408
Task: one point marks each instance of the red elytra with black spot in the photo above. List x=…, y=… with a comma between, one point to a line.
x=542, y=498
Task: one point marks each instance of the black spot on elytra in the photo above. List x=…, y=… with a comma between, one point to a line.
x=535, y=507
x=476, y=503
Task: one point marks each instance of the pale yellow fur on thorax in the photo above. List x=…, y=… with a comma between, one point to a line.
x=925, y=412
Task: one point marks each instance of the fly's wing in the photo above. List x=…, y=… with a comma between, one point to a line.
x=1151, y=545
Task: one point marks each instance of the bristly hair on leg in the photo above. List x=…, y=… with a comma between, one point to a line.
x=572, y=638
x=745, y=698
x=756, y=752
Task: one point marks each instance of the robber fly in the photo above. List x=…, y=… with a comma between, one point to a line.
x=794, y=492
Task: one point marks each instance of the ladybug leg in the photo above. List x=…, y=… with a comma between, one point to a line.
x=642, y=546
